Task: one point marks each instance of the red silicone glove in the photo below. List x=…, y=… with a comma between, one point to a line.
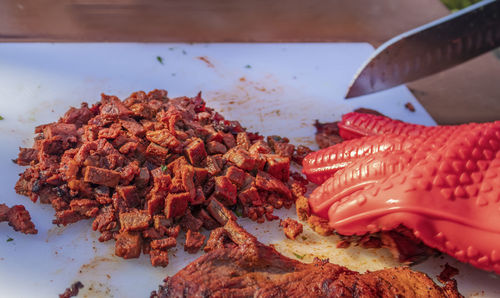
x=441, y=182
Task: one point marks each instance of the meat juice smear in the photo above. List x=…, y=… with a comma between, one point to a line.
x=147, y=167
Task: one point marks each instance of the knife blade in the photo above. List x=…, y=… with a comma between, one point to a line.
x=430, y=48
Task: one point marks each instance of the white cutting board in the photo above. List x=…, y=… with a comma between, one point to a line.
x=271, y=88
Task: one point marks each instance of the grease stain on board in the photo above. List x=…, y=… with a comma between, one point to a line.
x=259, y=105
x=310, y=245
x=207, y=62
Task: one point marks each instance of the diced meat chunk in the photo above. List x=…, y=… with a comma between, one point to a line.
x=216, y=148
x=156, y=153
x=128, y=172
x=156, y=203
x=241, y=158
x=78, y=116
x=101, y=176
x=18, y=218
x=195, y=152
x=327, y=134
x=219, y=212
x=158, y=94
x=59, y=129
x=278, y=166
x=243, y=140
x=164, y=243
x=194, y=241
x=142, y=110
x=152, y=233
x=129, y=195
x=284, y=149
x=291, y=228
x=228, y=140
x=200, y=176
x=164, y=138
x=199, y=197
x=208, y=221
x=85, y=207
x=260, y=147
x=214, y=164
x=250, y=197
x=66, y=217
x=110, y=132
x=173, y=231
x=142, y=179
x=128, y=245
x=319, y=225
x=219, y=238
x=175, y=166
x=112, y=106
x=236, y=176
x=302, y=208
x=133, y=127
x=267, y=182
x=225, y=191
x=189, y=222
x=176, y=204
x=158, y=258
x=105, y=221
x=134, y=220
x=26, y=156
x=300, y=153
x=187, y=178
x=4, y=212
x=128, y=147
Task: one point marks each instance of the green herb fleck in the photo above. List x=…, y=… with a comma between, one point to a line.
x=184, y=52
x=304, y=238
x=455, y=5
x=10, y=239
x=171, y=49
x=238, y=213
x=248, y=66
x=1, y=118
x=163, y=168
x=160, y=59
x=299, y=256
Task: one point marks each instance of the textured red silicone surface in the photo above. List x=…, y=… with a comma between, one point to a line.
x=443, y=183
x=322, y=164
x=354, y=125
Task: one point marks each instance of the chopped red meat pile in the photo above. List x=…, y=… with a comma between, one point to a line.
x=148, y=166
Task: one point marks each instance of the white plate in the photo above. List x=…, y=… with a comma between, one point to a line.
x=271, y=88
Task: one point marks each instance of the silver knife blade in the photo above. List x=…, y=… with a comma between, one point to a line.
x=430, y=48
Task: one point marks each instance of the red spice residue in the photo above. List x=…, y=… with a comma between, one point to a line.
x=72, y=291
x=447, y=273
x=410, y=107
x=205, y=59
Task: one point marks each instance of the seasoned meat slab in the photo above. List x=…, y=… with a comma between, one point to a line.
x=240, y=266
